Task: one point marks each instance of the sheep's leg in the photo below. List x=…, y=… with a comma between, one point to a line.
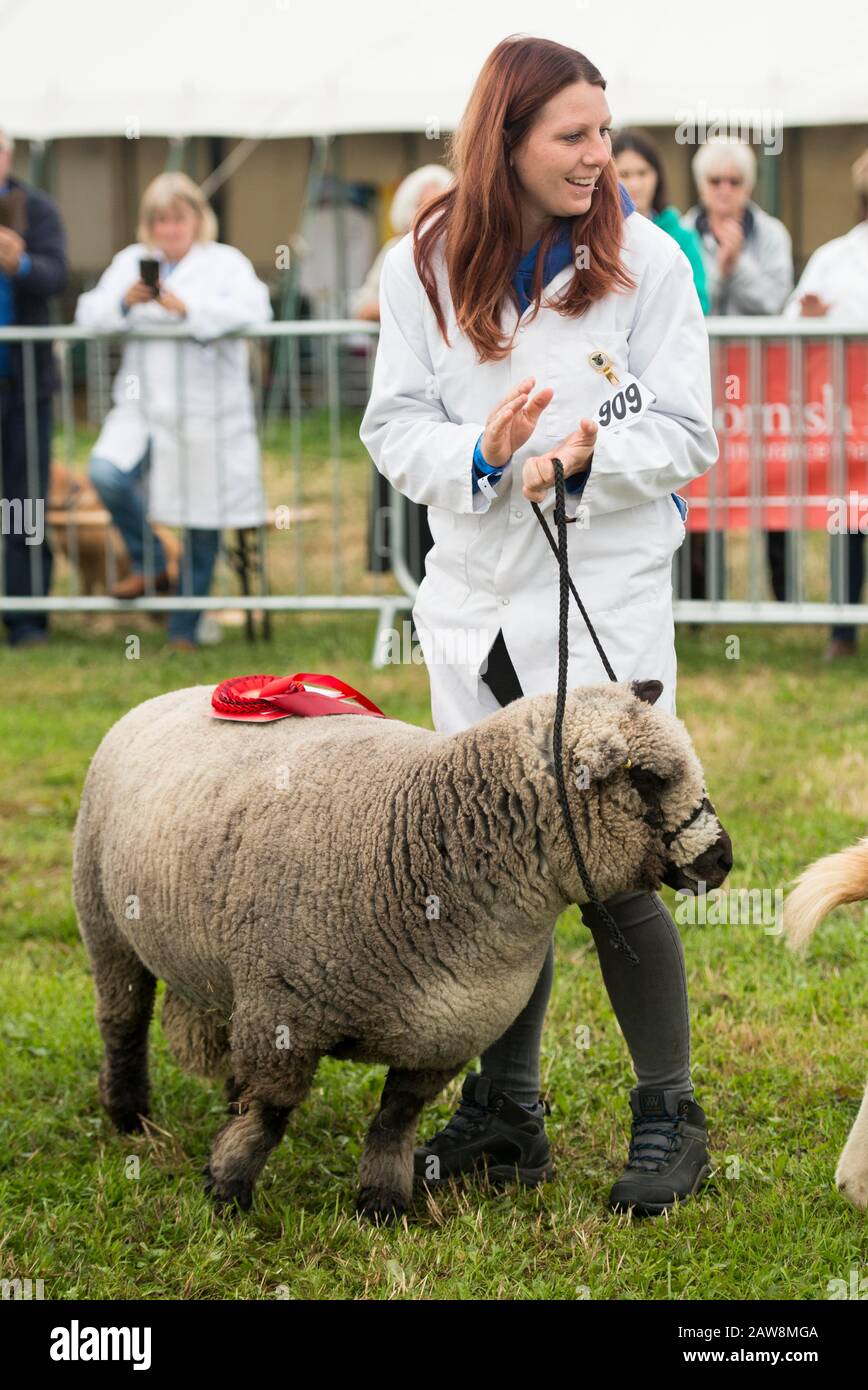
x=125, y=1002
x=240, y=1151
x=266, y=1080
x=386, y=1166
x=255, y=1127
x=124, y=991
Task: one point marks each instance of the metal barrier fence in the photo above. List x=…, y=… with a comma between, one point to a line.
x=812, y=579
x=305, y=374
x=806, y=556
x=309, y=553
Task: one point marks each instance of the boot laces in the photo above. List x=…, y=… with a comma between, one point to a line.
x=653, y=1139
x=468, y=1118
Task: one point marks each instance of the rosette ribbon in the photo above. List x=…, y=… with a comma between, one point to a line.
x=258, y=698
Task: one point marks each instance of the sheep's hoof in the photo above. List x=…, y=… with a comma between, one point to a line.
x=380, y=1205
x=229, y=1195
x=127, y=1121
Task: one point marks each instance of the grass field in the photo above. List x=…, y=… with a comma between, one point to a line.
x=778, y=1042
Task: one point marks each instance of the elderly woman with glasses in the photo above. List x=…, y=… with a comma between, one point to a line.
x=748, y=260
x=748, y=255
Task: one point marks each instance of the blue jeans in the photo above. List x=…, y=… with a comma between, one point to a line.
x=121, y=493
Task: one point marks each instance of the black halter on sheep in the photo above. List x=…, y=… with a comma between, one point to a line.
x=356, y=887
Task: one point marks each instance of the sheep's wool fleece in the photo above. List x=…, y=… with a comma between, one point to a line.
x=335, y=875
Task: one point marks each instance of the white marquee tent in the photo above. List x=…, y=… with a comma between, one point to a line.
x=266, y=68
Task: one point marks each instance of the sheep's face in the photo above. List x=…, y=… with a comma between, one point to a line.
x=650, y=790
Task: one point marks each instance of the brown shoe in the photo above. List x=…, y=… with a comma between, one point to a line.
x=838, y=647
x=182, y=644
x=134, y=585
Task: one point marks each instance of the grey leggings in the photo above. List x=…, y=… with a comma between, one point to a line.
x=649, y=999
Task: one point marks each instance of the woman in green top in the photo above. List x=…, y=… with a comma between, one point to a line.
x=641, y=172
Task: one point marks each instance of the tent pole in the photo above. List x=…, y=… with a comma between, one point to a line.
x=40, y=164
x=176, y=154
x=768, y=181
x=340, y=309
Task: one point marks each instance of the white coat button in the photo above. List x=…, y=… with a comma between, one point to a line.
x=517, y=512
x=504, y=600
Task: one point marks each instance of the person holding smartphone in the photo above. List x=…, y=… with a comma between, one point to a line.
x=531, y=314
x=183, y=418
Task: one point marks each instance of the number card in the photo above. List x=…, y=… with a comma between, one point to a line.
x=626, y=405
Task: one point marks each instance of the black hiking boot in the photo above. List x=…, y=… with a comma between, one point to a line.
x=669, y=1159
x=489, y=1133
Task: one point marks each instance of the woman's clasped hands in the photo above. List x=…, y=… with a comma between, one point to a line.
x=511, y=424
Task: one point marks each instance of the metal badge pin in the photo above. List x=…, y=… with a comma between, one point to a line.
x=601, y=362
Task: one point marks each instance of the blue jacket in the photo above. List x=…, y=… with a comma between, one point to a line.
x=25, y=296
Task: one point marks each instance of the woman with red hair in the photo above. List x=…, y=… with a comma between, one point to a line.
x=526, y=316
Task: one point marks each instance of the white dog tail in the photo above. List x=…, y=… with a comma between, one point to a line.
x=824, y=885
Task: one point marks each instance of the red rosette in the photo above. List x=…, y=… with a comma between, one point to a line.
x=259, y=698
x=240, y=698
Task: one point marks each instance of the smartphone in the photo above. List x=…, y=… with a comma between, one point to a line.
x=150, y=273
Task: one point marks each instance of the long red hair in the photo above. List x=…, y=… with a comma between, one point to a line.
x=479, y=214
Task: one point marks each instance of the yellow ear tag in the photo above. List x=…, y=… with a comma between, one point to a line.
x=629, y=762
x=602, y=362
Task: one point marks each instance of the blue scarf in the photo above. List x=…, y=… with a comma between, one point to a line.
x=559, y=255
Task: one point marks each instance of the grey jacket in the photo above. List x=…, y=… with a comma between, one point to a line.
x=763, y=275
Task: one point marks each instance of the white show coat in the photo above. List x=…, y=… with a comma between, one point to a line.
x=490, y=566
x=193, y=400
x=838, y=273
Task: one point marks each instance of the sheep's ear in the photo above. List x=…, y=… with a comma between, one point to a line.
x=649, y=691
x=597, y=758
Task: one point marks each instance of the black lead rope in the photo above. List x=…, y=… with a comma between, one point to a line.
x=551, y=540
x=565, y=585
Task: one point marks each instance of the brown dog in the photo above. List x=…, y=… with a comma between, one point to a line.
x=82, y=530
x=839, y=878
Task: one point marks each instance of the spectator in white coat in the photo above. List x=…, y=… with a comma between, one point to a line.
x=183, y=414
x=834, y=284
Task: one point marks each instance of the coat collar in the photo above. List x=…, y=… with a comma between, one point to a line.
x=188, y=262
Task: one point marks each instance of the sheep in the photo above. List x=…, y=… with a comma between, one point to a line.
x=359, y=888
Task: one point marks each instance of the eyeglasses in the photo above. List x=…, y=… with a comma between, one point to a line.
x=734, y=179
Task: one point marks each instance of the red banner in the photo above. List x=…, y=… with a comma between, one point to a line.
x=793, y=462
